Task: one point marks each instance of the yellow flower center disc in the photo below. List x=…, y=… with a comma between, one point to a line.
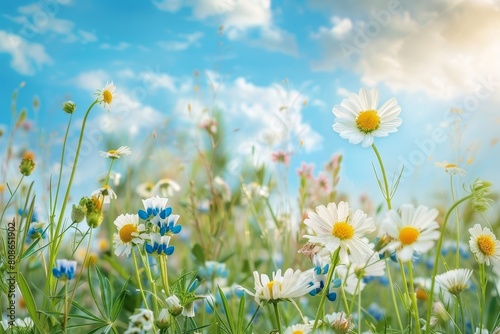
x=368, y=121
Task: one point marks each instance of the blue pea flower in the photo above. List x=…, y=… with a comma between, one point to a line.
x=64, y=270
x=159, y=245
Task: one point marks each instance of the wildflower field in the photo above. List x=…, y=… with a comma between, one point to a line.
x=166, y=246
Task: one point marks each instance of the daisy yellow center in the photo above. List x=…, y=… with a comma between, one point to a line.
x=451, y=166
x=126, y=232
x=298, y=332
x=270, y=286
x=408, y=235
x=368, y=121
x=112, y=152
x=107, y=96
x=486, y=244
x=343, y=230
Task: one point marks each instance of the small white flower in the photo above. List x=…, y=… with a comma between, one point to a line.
x=339, y=227
x=130, y=233
x=290, y=285
x=106, y=95
x=166, y=188
x=116, y=154
x=299, y=329
x=411, y=230
x=105, y=194
x=140, y=322
x=450, y=168
x=359, y=120
x=454, y=280
x=484, y=245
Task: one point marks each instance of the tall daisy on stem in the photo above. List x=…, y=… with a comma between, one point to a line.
x=486, y=249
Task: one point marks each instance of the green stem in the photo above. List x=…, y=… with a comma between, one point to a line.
x=438, y=252
x=393, y=295
x=386, y=193
x=163, y=272
x=138, y=277
x=109, y=172
x=61, y=164
x=277, y=314
x=413, y=297
x=331, y=270
x=55, y=245
x=457, y=251
x=483, y=280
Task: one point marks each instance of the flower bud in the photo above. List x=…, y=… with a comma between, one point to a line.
x=163, y=322
x=174, y=305
x=69, y=107
x=78, y=213
x=26, y=166
x=94, y=218
x=480, y=189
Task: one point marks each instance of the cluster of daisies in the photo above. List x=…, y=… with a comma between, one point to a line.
x=339, y=240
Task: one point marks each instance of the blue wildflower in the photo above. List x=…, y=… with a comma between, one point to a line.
x=35, y=231
x=65, y=270
x=159, y=244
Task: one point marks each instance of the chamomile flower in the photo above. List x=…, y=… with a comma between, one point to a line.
x=289, y=285
x=64, y=270
x=339, y=227
x=105, y=194
x=141, y=322
x=130, y=233
x=166, y=187
x=484, y=245
x=455, y=280
x=106, y=95
x=116, y=154
x=450, y=168
x=299, y=329
x=359, y=120
x=411, y=230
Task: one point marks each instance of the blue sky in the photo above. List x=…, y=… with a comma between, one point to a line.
x=258, y=61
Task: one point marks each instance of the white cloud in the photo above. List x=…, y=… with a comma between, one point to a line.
x=258, y=119
x=184, y=43
x=239, y=20
x=41, y=18
x=444, y=48
x=122, y=46
x=26, y=57
x=91, y=80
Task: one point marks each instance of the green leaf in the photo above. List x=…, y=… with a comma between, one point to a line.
x=89, y=316
x=227, y=310
x=92, y=291
x=198, y=253
x=29, y=300
x=118, y=304
x=106, y=292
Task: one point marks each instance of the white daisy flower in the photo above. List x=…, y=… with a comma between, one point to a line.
x=129, y=234
x=299, y=329
x=140, y=322
x=104, y=194
x=484, y=245
x=339, y=322
x=359, y=120
x=166, y=188
x=455, y=280
x=116, y=154
x=290, y=285
x=174, y=305
x=450, y=168
x=106, y=95
x=411, y=230
x=338, y=227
